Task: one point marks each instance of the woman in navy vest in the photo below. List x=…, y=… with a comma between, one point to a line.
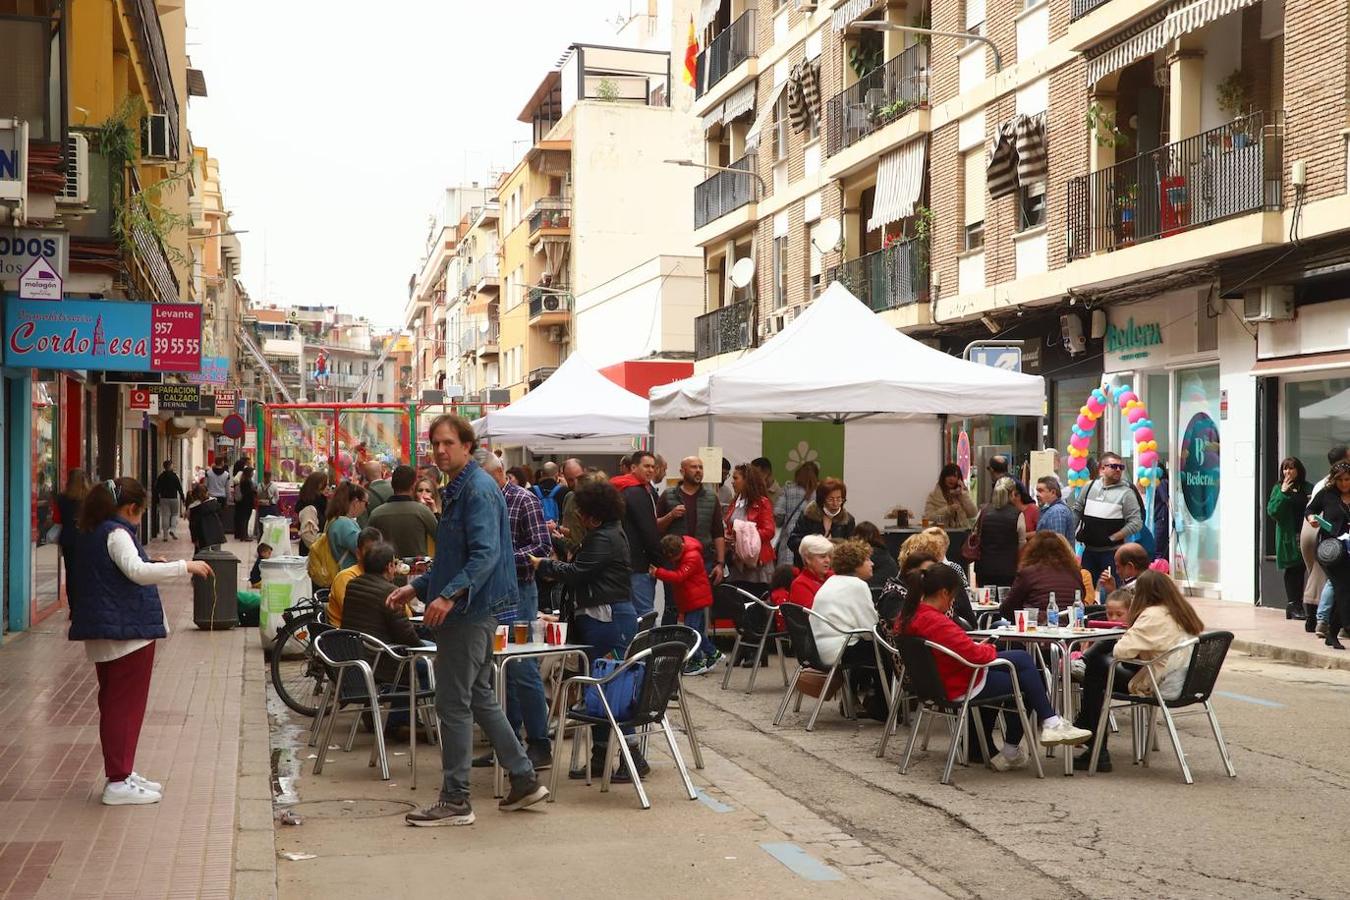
x=116, y=611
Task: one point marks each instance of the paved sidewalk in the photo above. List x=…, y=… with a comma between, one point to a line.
x=56, y=839
x=1262, y=631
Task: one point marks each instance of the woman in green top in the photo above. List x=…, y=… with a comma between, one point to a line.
x=347, y=502
x=1288, y=499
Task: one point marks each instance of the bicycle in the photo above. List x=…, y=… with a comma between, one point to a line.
x=298, y=677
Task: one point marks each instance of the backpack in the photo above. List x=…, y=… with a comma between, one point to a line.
x=322, y=566
x=548, y=501
x=747, y=541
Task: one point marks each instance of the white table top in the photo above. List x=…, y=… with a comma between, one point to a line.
x=538, y=648
x=1049, y=634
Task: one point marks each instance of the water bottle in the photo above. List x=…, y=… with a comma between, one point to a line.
x=1079, y=611
x=1052, y=612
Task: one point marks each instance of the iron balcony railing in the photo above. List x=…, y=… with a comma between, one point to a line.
x=877, y=99
x=551, y=212
x=888, y=278
x=155, y=56
x=1080, y=8
x=731, y=327
x=725, y=191
x=545, y=300
x=732, y=46
x=1224, y=172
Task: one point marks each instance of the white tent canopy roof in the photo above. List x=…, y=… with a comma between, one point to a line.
x=575, y=403
x=839, y=360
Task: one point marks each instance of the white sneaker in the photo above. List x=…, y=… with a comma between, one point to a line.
x=1003, y=763
x=146, y=783
x=127, y=793
x=1065, y=733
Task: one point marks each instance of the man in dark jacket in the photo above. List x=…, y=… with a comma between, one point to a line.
x=471, y=583
x=639, y=524
x=691, y=509
x=404, y=522
x=169, y=493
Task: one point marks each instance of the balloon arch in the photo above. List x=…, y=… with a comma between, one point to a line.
x=1146, y=470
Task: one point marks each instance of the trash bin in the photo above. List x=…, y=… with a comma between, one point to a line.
x=214, y=604
x=285, y=582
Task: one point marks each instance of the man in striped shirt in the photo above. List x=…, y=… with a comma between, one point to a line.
x=525, y=700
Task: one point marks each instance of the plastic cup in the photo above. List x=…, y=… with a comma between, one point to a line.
x=1020, y=617
x=1033, y=617
x=522, y=635
x=562, y=632
x=499, y=639
x=538, y=630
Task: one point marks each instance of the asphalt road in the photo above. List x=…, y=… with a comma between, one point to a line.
x=1274, y=831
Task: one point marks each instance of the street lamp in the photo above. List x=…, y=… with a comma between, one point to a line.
x=910, y=29
x=689, y=163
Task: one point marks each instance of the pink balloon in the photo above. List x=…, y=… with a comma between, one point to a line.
x=1077, y=462
x=1143, y=434
x=1085, y=423
x=1079, y=441
x=1096, y=406
x=1135, y=414
x=1148, y=459
x=1126, y=398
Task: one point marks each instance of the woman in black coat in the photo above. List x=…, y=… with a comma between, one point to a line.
x=826, y=516
x=204, y=519
x=1330, y=512
x=243, y=505
x=884, y=565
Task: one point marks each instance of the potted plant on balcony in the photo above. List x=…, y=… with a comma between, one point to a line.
x=1127, y=201
x=1101, y=124
x=1234, y=99
x=889, y=112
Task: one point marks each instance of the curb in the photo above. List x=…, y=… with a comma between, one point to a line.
x=255, y=857
x=1308, y=658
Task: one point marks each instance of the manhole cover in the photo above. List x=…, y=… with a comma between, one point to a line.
x=352, y=809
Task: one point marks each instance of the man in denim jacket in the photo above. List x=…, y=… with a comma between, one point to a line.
x=470, y=586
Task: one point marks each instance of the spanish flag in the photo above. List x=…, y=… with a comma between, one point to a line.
x=691, y=56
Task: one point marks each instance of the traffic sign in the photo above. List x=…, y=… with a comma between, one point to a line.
x=40, y=281
x=233, y=426
x=1007, y=357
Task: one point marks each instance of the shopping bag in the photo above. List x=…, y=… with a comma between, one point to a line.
x=622, y=692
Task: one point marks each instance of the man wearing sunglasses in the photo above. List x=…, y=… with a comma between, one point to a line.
x=1108, y=511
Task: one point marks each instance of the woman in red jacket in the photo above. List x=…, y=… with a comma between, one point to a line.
x=753, y=507
x=693, y=594
x=924, y=614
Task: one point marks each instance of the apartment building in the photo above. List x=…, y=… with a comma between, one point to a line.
x=1133, y=192
x=474, y=312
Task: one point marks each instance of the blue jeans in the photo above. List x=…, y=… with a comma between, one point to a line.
x=642, y=588
x=465, y=694
x=1324, y=602
x=1098, y=561
x=999, y=681
x=603, y=638
x=525, y=698
x=696, y=621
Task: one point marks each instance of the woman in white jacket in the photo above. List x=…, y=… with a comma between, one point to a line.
x=846, y=600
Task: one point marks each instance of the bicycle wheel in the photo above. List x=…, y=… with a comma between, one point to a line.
x=297, y=675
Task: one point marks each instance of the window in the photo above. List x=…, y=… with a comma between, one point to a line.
x=780, y=272
x=780, y=128
x=365, y=367
x=379, y=373
x=1031, y=206
x=379, y=398
x=973, y=189
x=816, y=262
x=975, y=16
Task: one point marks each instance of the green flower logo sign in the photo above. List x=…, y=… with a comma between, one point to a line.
x=801, y=454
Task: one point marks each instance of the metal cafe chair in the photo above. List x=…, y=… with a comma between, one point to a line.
x=919, y=658
x=754, y=630
x=1207, y=653
x=662, y=634
x=803, y=640
x=900, y=698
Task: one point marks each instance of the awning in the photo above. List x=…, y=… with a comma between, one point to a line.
x=850, y=12
x=899, y=184
x=707, y=11
x=1182, y=19
x=762, y=119
x=738, y=104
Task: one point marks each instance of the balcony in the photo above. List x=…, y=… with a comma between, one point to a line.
x=1080, y=8
x=538, y=376
x=155, y=58
x=724, y=330
x=1221, y=173
x=551, y=214
x=733, y=46
x=878, y=98
x=889, y=278
x=725, y=191
x=486, y=342
x=549, y=306
x=34, y=89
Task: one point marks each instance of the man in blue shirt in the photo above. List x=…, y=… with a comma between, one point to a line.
x=470, y=586
x=1055, y=513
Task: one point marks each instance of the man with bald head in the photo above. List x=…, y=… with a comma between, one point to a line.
x=690, y=508
x=568, y=530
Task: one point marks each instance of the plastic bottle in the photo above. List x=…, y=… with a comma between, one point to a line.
x=1079, y=611
x=1052, y=612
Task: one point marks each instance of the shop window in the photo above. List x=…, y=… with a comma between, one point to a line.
x=1315, y=413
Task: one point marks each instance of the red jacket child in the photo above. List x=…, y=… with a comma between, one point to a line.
x=693, y=590
x=932, y=625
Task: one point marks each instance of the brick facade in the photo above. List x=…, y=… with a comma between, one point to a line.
x=1316, y=63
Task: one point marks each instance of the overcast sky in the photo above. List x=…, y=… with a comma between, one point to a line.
x=337, y=122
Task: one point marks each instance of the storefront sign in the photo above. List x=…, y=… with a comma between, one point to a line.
x=251, y=441
x=179, y=398
x=103, y=334
x=1132, y=341
x=1199, y=453
x=143, y=400
x=21, y=247
x=225, y=401
x=40, y=282
x=215, y=370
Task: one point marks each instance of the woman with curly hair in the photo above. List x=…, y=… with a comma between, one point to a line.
x=1047, y=565
x=752, y=509
x=846, y=600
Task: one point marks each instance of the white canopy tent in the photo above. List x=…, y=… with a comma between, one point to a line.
x=839, y=361
x=575, y=408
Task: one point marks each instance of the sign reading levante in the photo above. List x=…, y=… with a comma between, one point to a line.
x=113, y=335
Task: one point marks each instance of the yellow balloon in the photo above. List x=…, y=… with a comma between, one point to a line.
x=1143, y=482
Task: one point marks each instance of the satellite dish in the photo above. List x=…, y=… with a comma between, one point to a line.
x=742, y=271
x=826, y=235
x=483, y=326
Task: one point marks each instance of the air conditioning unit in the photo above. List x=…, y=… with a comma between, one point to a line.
x=155, y=140
x=552, y=303
x=1273, y=303
x=804, y=5
x=555, y=334
x=76, y=191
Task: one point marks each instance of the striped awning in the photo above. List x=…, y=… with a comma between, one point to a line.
x=738, y=104
x=851, y=12
x=765, y=113
x=899, y=184
x=1181, y=19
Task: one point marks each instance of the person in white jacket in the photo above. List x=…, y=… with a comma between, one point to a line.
x=116, y=611
x=846, y=601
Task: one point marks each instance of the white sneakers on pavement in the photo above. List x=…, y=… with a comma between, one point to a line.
x=1065, y=733
x=128, y=793
x=1002, y=762
x=146, y=783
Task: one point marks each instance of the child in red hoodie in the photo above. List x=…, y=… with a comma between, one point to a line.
x=693, y=594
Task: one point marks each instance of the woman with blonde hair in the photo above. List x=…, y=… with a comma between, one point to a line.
x=1001, y=531
x=933, y=543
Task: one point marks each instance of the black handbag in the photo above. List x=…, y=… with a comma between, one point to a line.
x=1330, y=552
